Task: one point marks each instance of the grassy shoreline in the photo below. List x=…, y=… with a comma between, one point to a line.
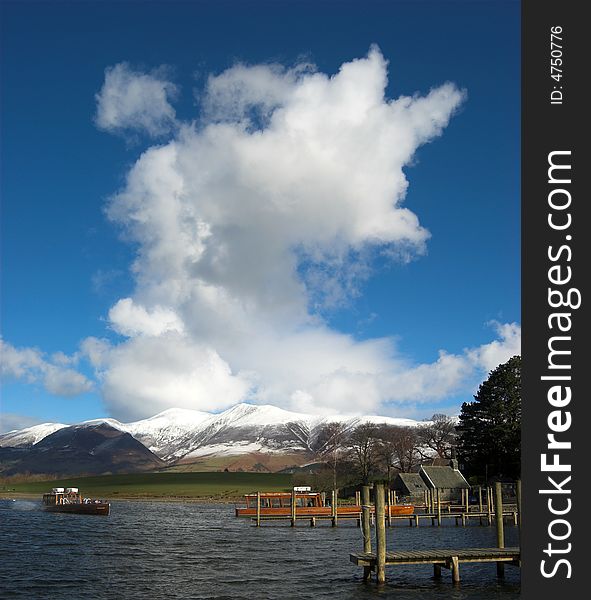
x=200, y=487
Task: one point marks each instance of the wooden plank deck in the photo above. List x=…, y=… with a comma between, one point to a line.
x=442, y=556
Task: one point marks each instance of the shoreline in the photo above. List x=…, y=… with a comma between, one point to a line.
x=128, y=498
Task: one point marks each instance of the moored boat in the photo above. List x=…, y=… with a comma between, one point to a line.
x=69, y=500
x=307, y=504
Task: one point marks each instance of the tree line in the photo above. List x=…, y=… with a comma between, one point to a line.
x=370, y=451
x=486, y=438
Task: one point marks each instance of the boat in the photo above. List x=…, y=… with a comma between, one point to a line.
x=307, y=504
x=69, y=500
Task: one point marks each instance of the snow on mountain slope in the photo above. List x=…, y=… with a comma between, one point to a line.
x=23, y=438
x=168, y=434
x=181, y=433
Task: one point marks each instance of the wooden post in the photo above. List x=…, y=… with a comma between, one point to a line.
x=334, y=507
x=365, y=510
x=388, y=505
x=455, y=569
x=365, y=527
x=323, y=498
x=438, y=506
x=499, y=523
x=293, y=508
x=479, y=498
x=426, y=503
x=357, y=498
x=313, y=522
x=489, y=504
x=437, y=571
x=258, y=509
x=467, y=501
x=380, y=534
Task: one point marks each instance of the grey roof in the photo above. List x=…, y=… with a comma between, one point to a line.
x=413, y=482
x=443, y=478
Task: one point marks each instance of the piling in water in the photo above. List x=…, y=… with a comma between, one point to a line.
x=365, y=527
x=380, y=534
x=335, y=496
x=499, y=523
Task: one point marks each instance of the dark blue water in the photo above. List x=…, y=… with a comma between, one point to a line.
x=156, y=550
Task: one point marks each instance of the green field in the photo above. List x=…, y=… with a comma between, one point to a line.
x=213, y=486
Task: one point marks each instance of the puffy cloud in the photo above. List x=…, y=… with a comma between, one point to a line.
x=150, y=374
x=489, y=356
x=250, y=222
x=131, y=100
x=29, y=364
x=19, y=363
x=65, y=382
x=96, y=351
x=254, y=219
x=131, y=319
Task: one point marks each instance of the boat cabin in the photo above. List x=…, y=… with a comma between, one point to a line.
x=59, y=495
x=283, y=499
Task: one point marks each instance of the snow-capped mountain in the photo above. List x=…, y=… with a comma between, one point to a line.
x=245, y=428
x=24, y=438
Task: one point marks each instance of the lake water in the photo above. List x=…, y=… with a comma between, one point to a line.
x=154, y=550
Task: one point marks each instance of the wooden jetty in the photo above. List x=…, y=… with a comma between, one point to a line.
x=449, y=558
x=462, y=518
x=293, y=509
x=446, y=558
x=302, y=504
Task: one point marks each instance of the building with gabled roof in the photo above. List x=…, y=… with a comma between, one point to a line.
x=448, y=480
x=409, y=485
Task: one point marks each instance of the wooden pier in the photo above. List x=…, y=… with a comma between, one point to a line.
x=462, y=518
x=434, y=511
x=446, y=558
x=449, y=558
x=413, y=520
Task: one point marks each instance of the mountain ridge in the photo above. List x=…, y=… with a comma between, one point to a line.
x=183, y=434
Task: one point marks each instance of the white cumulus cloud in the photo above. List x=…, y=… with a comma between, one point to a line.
x=253, y=219
x=150, y=374
x=489, y=356
x=30, y=365
x=131, y=100
x=131, y=319
x=249, y=223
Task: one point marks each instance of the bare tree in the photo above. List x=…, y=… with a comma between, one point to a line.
x=407, y=449
x=330, y=442
x=387, y=450
x=364, y=447
x=440, y=435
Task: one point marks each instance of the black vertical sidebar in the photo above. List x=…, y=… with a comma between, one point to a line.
x=555, y=118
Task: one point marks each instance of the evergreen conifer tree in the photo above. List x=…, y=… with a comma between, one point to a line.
x=490, y=427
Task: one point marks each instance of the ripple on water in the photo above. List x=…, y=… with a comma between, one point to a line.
x=169, y=550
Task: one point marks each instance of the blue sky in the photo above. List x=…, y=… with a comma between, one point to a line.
x=65, y=264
